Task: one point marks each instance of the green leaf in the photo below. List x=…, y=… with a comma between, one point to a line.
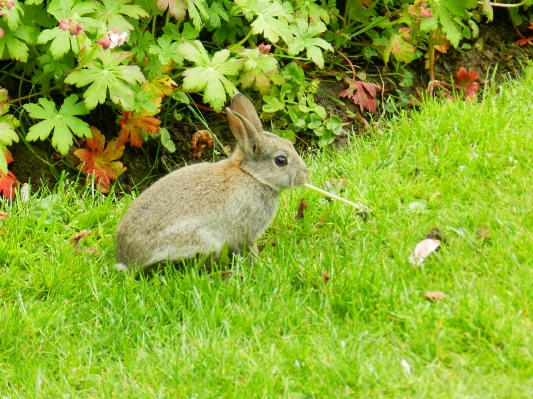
x=305, y=38
x=402, y=50
x=166, y=51
x=64, y=122
x=16, y=48
x=272, y=104
x=166, y=140
x=216, y=12
x=271, y=20
x=112, y=12
x=294, y=72
x=12, y=15
x=7, y=136
x=308, y=9
x=62, y=41
x=487, y=10
x=65, y=9
x=90, y=218
x=107, y=75
x=259, y=70
x=195, y=8
x=190, y=32
x=209, y=75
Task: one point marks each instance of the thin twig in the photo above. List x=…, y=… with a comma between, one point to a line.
x=348, y=61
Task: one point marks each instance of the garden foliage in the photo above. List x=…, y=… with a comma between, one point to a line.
x=145, y=59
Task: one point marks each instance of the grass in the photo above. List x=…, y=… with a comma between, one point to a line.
x=73, y=327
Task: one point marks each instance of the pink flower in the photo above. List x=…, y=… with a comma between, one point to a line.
x=76, y=29
x=428, y=13
x=1, y=33
x=264, y=48
x=104, y=42
x=64, y=25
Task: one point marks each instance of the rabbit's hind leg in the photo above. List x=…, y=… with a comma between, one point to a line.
x=185, y=246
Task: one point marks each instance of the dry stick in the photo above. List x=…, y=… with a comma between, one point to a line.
x=336, y=197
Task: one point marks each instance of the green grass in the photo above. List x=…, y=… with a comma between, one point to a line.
x=73, y=327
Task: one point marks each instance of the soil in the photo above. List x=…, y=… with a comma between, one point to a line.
x=499, y=58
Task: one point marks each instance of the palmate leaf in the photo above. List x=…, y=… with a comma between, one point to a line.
x=444, y=13
x=7, y=136
x=259, y=70
x=305, y=39
x=166, y=50
x=12, y=15
x=63, y=123
x=112, y=13
x=209, y=74
x=101, y=163
x=133, y=124
x=107, y=74
x=402, y=50
x=178, y=9
x=271, y=20
x=15, y=43
x=62, y=42
x=308, y=9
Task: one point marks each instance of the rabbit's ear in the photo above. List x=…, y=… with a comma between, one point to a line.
x=243, y=106
x=243, y=130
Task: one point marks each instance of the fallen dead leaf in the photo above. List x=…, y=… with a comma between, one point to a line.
x=80, y=235
x=200, y=141
x=3, y=215
x=325, y=276
x=435, y=295
x=422, y=250
x=302, y=206
x=87, y=250
x=483, y=233
x=435, y=234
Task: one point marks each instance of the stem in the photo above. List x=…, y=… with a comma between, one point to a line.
x=348, y=61
x=8, y=73
x=336, y=197
x=346, y=11
x=34, y=94
x=248, y=35
x=431, y=57
x=505, y=5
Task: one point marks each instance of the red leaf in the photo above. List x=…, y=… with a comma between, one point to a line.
x=80, y=235
x=132, y=126
x=8, y=185
x=361, y=93
x=466, y=82
x=9, y=157
x=99, y=162
x=302, y=206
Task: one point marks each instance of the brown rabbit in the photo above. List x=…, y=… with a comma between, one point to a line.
x=200, y=208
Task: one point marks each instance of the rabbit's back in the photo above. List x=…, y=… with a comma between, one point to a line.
x=193, y=210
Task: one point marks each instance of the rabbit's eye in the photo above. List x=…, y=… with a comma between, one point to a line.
x=281, y=161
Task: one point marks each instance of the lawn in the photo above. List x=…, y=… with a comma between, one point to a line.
x=71, y=326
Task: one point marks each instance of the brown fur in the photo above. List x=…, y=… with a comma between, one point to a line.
x=199, y=208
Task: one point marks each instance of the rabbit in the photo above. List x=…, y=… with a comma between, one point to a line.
x=198, y=209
